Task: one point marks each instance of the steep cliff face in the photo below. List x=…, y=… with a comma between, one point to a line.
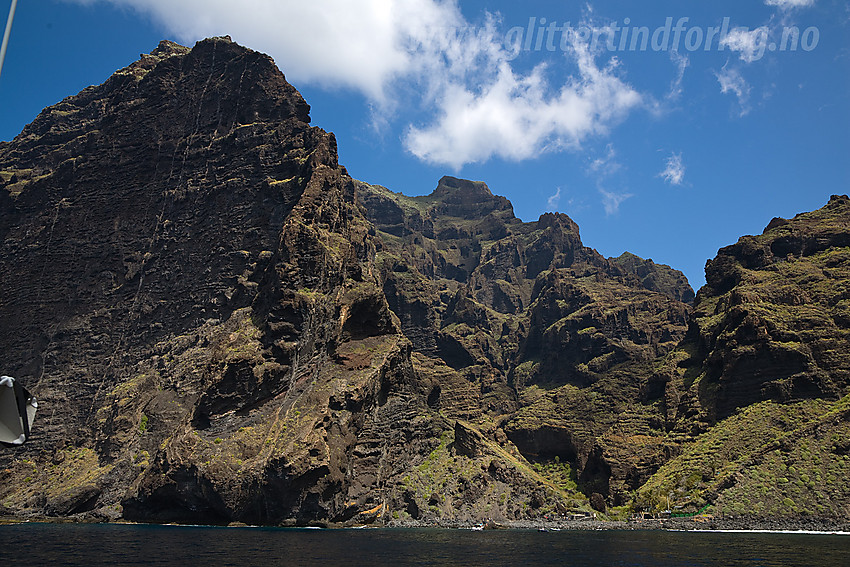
x=183, y=256
x=759, y=390
x=221, y=325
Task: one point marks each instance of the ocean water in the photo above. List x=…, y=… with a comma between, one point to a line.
x=93, y=544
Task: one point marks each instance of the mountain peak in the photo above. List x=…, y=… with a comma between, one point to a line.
x=212, y=89
x=468, y=199
x=449, y=185
x=168, y=48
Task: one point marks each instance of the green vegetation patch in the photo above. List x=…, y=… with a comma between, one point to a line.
x=768, y=459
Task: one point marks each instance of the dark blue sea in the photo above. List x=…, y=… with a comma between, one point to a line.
x=92, y=544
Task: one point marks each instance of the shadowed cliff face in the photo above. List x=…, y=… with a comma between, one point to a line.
x=221, y=325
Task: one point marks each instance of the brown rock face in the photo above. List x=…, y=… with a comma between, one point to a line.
x=221, y=325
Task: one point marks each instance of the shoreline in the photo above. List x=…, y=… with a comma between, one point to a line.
x=728, y=525
x=811, y=526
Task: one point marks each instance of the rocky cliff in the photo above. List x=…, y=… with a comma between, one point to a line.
x=189, y=291
x=221, y=325
x=758, y=390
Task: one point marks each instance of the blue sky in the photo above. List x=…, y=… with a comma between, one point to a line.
x=667, y=153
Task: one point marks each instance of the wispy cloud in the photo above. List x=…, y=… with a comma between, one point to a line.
x=789, y=4
x=674, y=172
x=554, y=200
x=611, y=201
x=681, y=61
x=603, y=169
x=731, y=81
x=753, y=45
x=606, y=165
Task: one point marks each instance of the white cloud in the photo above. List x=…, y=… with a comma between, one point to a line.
x=731, y=81
x=611, y=201
x=788, y=4
x=517, y=117
x=750, y=44
x=674, y=172
x=554, y=200
x=417, y=54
